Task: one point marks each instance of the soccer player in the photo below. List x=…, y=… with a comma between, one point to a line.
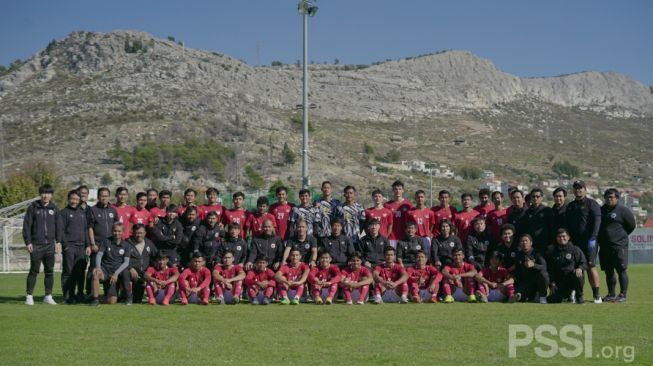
x=497, y=217
x=72, y=232
x=292, y=276
x=539, y=221
x=516, y=213
x=194, y=282
x=423, y=277
x=161, y=278
x=412, y=244
x=327, y=208
x=531, y=275
x=111, y=266
x=228, y=277
x=267, y=245
x=304, y=243
x=141, y=215
x=191, y=222
x=100, y=219
x=159, y=212
x=477, y=244
x=281, y=211
x=212, y=204
x=152, y=195
x=324, y=276
x=484, y=206
x=399, y=207
x=190, y=195
x=424, y=219
x=379, y=212
x=617, y=222
x=232, y=243
x=143, y=253
x=507, y=247
x=583, y=220
x=304, y=212
x=459, y=275
x=463, y=219
x=373, y=245
x=260, y=279
x=566, y=266
x=352, y=215
x=261, y=215
x=337, y=244
x=40, y=229
x=444, y=245
x=124, y=211
x=237, y=215
x=207, y=237
x=355, y=277
x=168, y=233
x=559, y=209
x=443, y=212
x=390, y=276
x=495, y=282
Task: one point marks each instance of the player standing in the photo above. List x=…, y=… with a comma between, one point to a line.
x=399, y=207
x=379, y=212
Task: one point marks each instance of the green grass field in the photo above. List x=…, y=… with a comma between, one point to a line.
x=467, y=334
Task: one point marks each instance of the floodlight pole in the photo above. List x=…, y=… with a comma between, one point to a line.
x=306, y=181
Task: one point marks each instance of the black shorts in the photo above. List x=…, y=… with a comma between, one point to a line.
x=109, y=289
x=613, y=257
x=590, y=255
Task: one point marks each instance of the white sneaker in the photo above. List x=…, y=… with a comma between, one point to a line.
x=378, y=300
x=543, y=300
x=49, y=300
x=404, y=299
x=29, y=300
x=598, y=300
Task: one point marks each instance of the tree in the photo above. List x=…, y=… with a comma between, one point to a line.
x=106, y=179
x=393, y=155
x=565, y=168
x=277, y=63
x=289, y=157
x=24, y=185
x=171, y=38
x=368, y=149
x=336, y=62
x=470, y=172
x=256, y=181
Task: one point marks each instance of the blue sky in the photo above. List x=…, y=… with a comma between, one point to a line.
x=525, y=38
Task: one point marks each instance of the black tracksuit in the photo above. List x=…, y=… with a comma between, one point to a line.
x=185, y=248
x=583, y=220
x=40, y=230
x=303, y=246
x=205, y=240
x=72, y=233
x=529, y=281
x=476, y=248
x=563, y=262
x=101, y=220
x=517, y=218
x=167, y=236
x=616, y=224
x=407, y=250
x=373, y=249
x=237, y=245
x=139, y=261
x=340, y=247
x=442, y=249
x=539, y=225
x=269, y=246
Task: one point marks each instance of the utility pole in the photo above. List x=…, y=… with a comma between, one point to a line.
x=306, y=8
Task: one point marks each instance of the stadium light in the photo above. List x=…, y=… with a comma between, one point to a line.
x=307, y=9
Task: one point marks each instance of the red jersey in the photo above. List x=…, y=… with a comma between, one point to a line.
x=201, y=278
x=484, y=210
x=182, y=209
x=392, y=273
x=442, y=213
x=424, y=277
x=256, y=223
x=228, y=273
x=500, y=275
x=141, y=217
x=456, y=271
x=384, y=216
x=331, y=274
x=158, y=212
x=424, y=218
x=253, y=277
x=355, y=276
x=463, y=222
x=161, y=275
x=233, y=216
x=281, y=213
x=399, y=211
x=293, y=273
x=125, y=214
x=205, y=209
x=495, y=220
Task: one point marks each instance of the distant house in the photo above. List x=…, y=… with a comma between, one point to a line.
x=487, y=175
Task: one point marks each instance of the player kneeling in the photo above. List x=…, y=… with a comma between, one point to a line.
x=194, y=282
x=324, y=276
x=423, y=279
x=292, y=277
x=459, y=275
x=160, y=281
x=356, y=280
x=228, y=279
x=495, y=282
x=390, y=276
x=260, y=280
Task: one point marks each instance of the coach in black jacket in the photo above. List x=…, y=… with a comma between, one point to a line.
x=72, y=232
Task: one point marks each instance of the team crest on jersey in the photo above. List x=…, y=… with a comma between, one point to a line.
x=568, y=256
x=217, y=235
x=418, y=247
x=51, y=212
x=613, y=215
x=513, y=254
x=121, y=251
x=451, y=244
x=193, y=228
x=273, y=245
x=71, y=216
x=111, y=214
x=307, y=246
x=148, y=249
x=239, y=248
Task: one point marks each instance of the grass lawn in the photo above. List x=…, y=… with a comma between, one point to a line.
x=467, y=334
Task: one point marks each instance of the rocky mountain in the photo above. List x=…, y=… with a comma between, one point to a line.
x=82, y=93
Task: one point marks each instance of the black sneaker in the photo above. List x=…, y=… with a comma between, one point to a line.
x=620, y=298
x=579, y=300
x=70, y=301
x=95, y=302
x=609, y=298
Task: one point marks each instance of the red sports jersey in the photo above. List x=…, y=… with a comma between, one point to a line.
x=158, y=212
x=484, y=210
x=500, y=275
x=293, y=273
x=253, y=277
x=182, y=208
x=424, y=218
x=463, y=222
x=201, y=278
x=233, y=216
x=399, y=210
x=161, y=275
x=495, y=220
x=281, y=215
x=455, y=271
x=141, y=217
x=331, y=274
x=355, y=276
x=385, y=217
x=125, y=214
x=228, y=273
x=422, y=276
x=256, y=223
x=442, y=213
x=205, y=209
x=391, y=273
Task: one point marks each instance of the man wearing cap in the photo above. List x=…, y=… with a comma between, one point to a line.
x=583, y=220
